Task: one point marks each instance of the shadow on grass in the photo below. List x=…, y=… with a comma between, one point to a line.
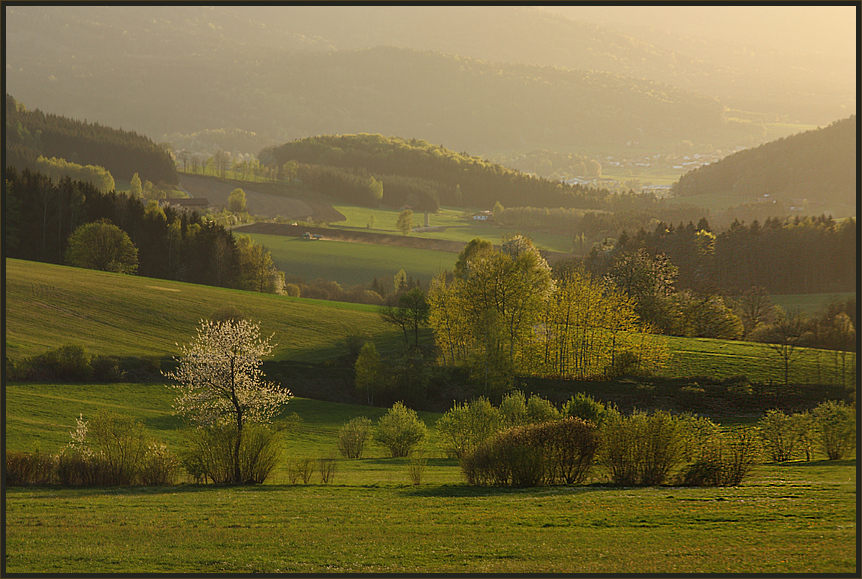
x=465, y=490
x=819, y=463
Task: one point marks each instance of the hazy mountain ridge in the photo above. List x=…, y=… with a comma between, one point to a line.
x=462, y=103
x=815, y=165
x=81, y=43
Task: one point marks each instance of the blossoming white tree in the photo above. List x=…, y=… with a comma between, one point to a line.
x=220, y=381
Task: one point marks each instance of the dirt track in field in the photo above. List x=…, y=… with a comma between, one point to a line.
x=353, y=236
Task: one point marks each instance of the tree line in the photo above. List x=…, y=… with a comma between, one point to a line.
x=784, y=256
x=504, y=312
x=41, y=215
x=31, y=134
x=457, y=178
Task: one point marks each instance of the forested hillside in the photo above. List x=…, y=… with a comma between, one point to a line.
x=792, y=256
x=420, y=174
x=40, y=215
x=814, y=165
x=33, y=133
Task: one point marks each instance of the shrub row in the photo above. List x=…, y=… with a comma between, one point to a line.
x=830, y=427
x=109, y=450
x=465, y=426
x=400, y=431
x=640, y=449
x=72, y=363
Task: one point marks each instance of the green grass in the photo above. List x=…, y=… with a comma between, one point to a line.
x=457, y=223
x=758, y=362
x=788, y=518
x=352, y=264
x=794, y=517
x=111, y=314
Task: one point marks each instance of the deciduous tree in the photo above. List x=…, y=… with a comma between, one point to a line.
x=405, y=222
x=103, y=246
x=220, y=382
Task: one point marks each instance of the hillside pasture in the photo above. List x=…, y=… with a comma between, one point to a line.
x=119, y=315
x=350, y=263
x=110, y=314
x=448, y=223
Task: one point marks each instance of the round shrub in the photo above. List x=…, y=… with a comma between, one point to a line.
x=400, y=430
x=836, y=426
x=641, y=449
x=583, y=406
x=465, y=426
x=554, y=452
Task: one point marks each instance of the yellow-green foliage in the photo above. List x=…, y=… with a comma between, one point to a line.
x=56, y=169
x=503, y=314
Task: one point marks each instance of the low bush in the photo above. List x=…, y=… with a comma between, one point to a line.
x=159, y=466
x=400, y=430
x=467, y=425
x=353, y=436
x=641, y=449
x=30, y=468
x=68, y=363
x=327, y=468
x=416, y=468
x=120, y=443
x=106, y=370
x=835, y=423
x=727, y=458
x=584, y=407
x=300, y=468
x=554, y=452
x=784, y=436
x=209, y=453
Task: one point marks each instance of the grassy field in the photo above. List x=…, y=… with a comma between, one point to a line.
x=351, y=264
x=792, y=517
x=458, y=226
x=110, y=314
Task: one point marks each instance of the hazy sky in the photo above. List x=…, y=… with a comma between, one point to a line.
x=824, y=29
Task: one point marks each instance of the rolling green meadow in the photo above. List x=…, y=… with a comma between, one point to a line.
x=794, y=517
x=788, y=517
x=350, y=263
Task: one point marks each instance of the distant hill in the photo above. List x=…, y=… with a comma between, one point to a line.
x=163, y=69
x=31, y=133
x=814, y=167
x=422, y=175
x=188, y=69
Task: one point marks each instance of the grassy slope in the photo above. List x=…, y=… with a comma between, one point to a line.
x=110, y=314
x=351, y=264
